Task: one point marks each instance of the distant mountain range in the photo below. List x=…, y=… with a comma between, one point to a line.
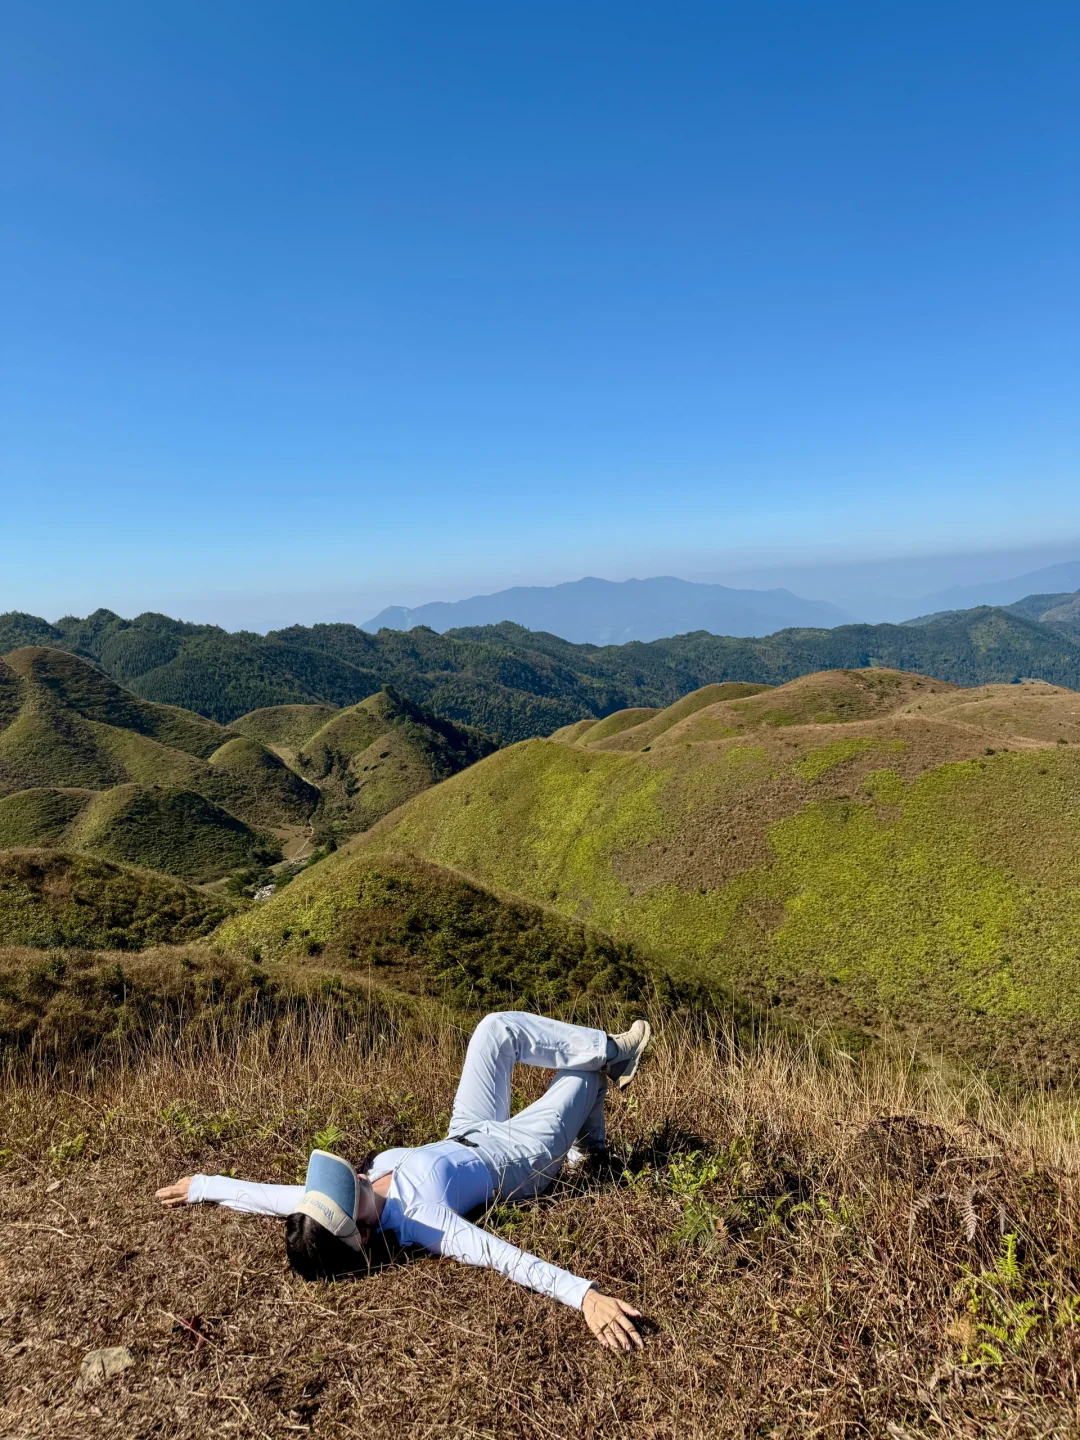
x=515, y=683
x=609, y=612
x=606, y=612
x=1053, y=580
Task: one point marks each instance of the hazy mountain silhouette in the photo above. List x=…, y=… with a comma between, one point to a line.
x=1053, y=579
x=610, y=612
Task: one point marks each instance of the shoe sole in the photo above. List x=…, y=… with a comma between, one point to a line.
x=624, y=1079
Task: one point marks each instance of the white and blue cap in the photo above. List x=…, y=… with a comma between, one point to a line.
x=330, y=1195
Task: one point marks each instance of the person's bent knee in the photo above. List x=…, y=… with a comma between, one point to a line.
x=497, y=1024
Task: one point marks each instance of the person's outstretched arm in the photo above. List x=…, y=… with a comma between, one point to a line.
x=444, y=1232
x=244, y=1195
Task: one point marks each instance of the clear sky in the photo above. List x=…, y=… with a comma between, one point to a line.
x=313, y=307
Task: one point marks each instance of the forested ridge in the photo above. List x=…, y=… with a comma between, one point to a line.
x=516, y=683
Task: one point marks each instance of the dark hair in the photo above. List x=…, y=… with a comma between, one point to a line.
x=314, y=1253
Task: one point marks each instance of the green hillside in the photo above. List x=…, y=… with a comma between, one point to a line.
x=415, y=927
x=369, y=758
x=626, y=732
x=284, y=728
x=250, y=780
x=49, y=899
x=620, y=720
x=86, y=765
x=177, y=831
x=41, y=816
x=67, y=724
x=913, y=866
x=514, y=683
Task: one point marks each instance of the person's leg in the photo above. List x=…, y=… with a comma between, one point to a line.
x=511, y=1037
x=526, y=1151
x=592, y=1137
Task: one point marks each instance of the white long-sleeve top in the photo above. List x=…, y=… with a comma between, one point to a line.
x=432, y=1187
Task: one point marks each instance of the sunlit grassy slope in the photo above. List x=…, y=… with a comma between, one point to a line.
x=398, y=932
x=897, y=866
x=371, y=757
x=415, y=927
x=51, y=899
x=284, y=725
x=626, y=731
x=86, y=765
x=621, y=720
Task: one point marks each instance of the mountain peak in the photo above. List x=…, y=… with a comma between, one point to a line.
x=611, y=612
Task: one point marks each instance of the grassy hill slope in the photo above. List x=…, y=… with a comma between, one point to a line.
x=86, y=765
x=284, y=728
x=905, y=867
x=161, y=828
x=41, y=816
x=250, y=780
x=369, y=758
x=637, y=734
x=418, y=927
x=50, y=899
x=516, y=684
x=177, y=831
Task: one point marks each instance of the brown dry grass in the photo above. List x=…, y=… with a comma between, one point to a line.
x=821, y=1247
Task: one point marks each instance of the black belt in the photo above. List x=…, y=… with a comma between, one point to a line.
x=461, y=1140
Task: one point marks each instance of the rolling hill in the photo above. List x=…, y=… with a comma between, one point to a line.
x=86, y=765
x=406, y=926
x=284, y=728
x=872, y=848
x=371, y=757
x=514, y=683
x=51, y=899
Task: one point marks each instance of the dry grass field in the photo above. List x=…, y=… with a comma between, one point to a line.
x=823, y=1246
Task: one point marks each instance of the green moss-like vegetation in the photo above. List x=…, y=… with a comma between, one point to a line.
x=372, y=757
x=81, y=689
x=884, y=786
x=421, y=928
x=950, y=901
x=176, y=831
x=820, y=761
x=663, y=721
x=49, y=898
x=620, y=721
x=252, y=782
x=287, y=725
x=40, y=816
x=84, y=764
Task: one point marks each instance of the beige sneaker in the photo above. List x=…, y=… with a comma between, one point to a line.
x=630, y=1047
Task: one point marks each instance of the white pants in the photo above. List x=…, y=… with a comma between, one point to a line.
x=525, y=1151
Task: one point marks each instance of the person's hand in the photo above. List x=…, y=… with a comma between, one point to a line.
x=609, y=1320
x=177, y=1194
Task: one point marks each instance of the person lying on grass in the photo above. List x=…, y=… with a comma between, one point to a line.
x=421, y=1192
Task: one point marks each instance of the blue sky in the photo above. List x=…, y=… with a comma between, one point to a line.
x=314, y=308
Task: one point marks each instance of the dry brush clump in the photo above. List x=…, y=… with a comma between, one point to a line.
x=822, y=1246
